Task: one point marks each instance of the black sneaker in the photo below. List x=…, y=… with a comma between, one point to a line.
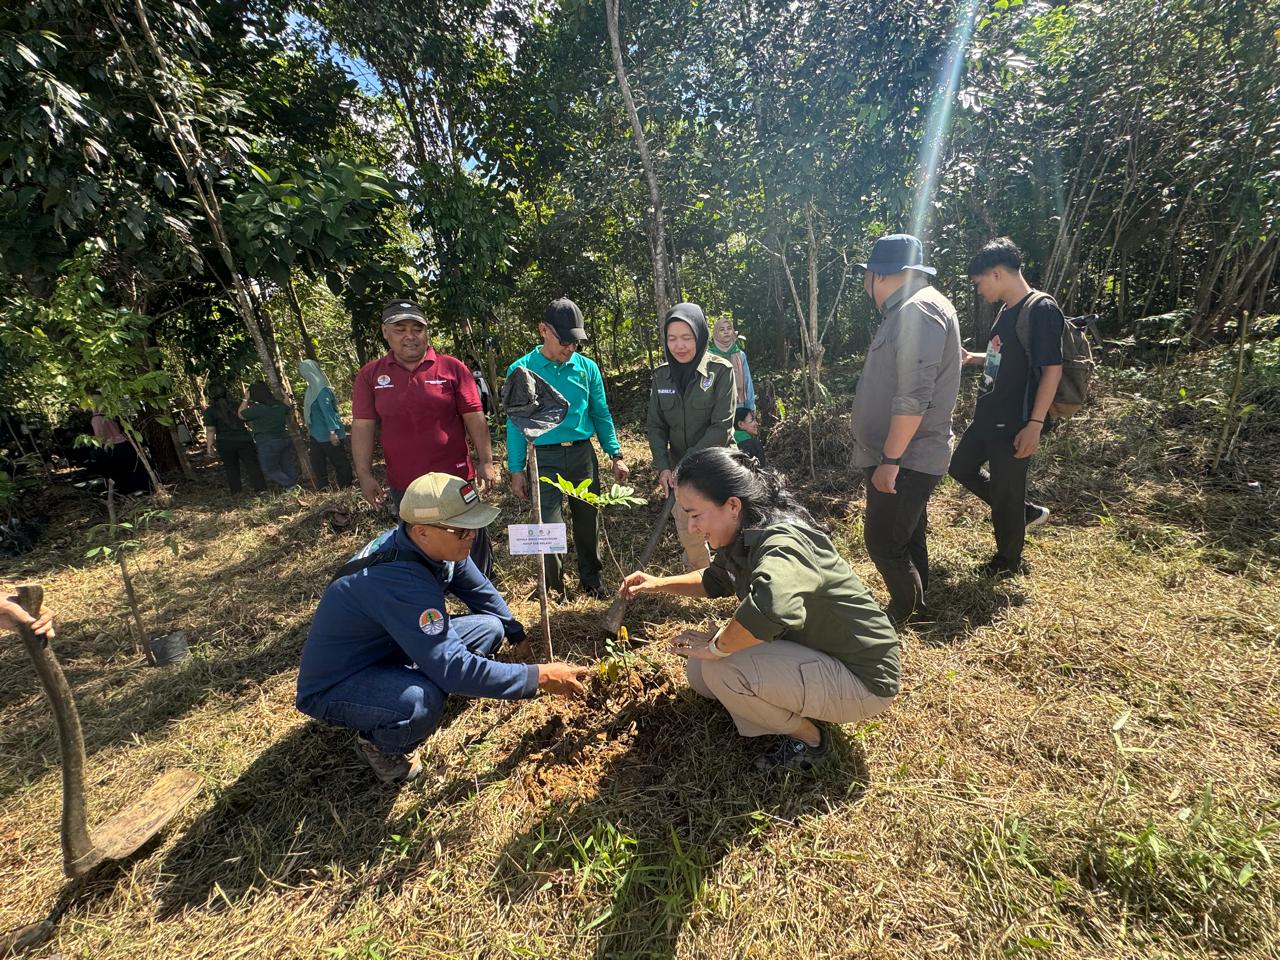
x=1000, y=569
x=598, y=592
x=788, y=754
x=1036, y=515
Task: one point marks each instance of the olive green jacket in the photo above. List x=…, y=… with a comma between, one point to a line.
x=701, y=418
x=794, y=586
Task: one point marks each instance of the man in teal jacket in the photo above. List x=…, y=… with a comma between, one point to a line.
x=566, y=450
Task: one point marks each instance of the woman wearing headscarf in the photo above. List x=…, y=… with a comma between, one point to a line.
x=690, y=408
x=326, y=434
x=808, y=646
x=226, y=432
x=268, y=418
x=727, y=344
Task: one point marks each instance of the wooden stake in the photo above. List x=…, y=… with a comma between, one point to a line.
x=535, y=496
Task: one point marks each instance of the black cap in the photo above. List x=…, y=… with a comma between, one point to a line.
x=397, y=310
x=895, y=253
x=565, y=318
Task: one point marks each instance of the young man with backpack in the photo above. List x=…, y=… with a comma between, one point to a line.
x=1022, y=371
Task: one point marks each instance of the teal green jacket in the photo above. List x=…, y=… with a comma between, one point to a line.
x=579, y=380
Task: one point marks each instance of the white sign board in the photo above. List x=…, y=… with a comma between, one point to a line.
x=529, y=538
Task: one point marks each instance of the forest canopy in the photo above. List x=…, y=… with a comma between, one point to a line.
x=196, y=190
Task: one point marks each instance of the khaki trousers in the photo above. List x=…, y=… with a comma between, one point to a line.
x=771, y=687
x=696, y=554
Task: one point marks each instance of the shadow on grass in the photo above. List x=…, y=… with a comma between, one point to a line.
x=642, y=851
x=116, y=706
x=305, y=807
x=235, y=636
x=960, y=604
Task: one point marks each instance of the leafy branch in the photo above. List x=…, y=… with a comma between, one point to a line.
x=618, y=495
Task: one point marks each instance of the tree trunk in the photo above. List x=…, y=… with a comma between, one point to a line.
x=308, y=344
x=658, y=236
x=815, y=342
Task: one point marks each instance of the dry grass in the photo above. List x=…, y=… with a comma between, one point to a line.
x=1081, y=764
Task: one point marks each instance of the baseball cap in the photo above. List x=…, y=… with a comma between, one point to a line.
x=441, y=498
x=398, y=310
x=565, y=318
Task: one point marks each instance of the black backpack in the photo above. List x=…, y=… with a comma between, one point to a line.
x=374, y=559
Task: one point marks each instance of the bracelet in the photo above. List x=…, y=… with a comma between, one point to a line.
x=715, y=649
x=1033, y=420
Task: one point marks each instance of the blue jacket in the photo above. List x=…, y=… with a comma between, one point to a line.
x=325, y=418
x=395, y=612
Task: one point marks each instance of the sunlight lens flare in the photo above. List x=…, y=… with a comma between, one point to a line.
x=940, y=116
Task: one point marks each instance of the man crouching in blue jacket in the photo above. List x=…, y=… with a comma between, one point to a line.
x=384, y=654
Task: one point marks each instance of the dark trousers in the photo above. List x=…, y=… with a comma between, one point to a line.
x=275, y=456
x=237, y=454
x=324, y=455
x=1002, y=486
x=393, y=705
x=576, y=463
x=481, y=546
x=895, y=530
x=119, y=463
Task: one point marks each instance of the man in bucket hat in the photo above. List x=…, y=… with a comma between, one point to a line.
x=383, y=654
x=902, y=414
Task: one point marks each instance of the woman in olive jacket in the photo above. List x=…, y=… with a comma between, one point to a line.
x=690, y=408
x=808, y=647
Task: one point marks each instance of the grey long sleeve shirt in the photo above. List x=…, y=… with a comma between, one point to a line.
x=912, y=369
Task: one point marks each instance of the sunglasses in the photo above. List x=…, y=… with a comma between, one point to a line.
x=459, y=532
x=568, y=343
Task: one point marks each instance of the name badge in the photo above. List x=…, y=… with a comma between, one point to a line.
x=667, y=391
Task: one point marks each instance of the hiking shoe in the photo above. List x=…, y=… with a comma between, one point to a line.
x=787, y=754
x=1036, y=515
x=389, y=767
x=999, y=568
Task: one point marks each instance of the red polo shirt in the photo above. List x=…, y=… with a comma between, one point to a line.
x=419, y=413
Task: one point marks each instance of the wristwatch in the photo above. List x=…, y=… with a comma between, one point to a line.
x=890, y=461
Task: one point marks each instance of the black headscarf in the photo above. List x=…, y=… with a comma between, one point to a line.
x=690, y=313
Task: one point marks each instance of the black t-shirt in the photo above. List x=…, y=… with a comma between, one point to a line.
x=1010, y=376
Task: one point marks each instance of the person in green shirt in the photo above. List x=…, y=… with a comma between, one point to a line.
x=807, y=645
x=746, y=434
x=690, y=408
x=226, y=433
x=566, y=449
x=268, y=418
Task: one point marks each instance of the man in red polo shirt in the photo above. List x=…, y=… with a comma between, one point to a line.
x=427, y=405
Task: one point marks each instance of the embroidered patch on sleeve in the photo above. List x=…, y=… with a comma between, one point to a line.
x=431, y=622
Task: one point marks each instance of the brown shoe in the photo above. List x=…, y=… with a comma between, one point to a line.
x=389, y=767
